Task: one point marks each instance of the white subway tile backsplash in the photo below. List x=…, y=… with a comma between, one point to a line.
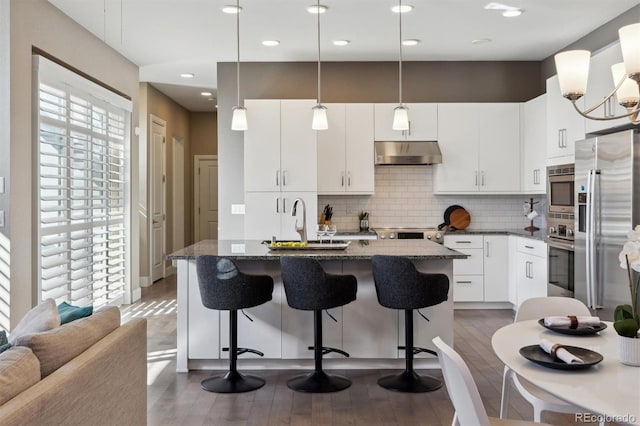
x=404, y=197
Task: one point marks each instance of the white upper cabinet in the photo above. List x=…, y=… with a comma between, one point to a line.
x=280, y=146
x=280, y=165
x=534, y=176
x=262, y=146
x=600, y=85
x=298, y=158
x=423, y=123
x=480, y=146
x=345, y=151
x=564, y=125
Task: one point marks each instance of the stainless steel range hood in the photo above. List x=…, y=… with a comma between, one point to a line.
x=402, y=153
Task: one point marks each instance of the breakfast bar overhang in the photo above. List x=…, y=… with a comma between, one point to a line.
x=369, y=332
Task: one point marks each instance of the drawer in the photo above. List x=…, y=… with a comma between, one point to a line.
x=472, y=265
x=468, y=288
x=463, y=241
x=532, y=247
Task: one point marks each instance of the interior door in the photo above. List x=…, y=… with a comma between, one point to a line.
x=207, y=203
x=158, y=141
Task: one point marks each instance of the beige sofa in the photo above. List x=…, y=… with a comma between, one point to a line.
x=106, y=384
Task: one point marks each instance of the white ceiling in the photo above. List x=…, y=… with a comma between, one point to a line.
x=169, y=37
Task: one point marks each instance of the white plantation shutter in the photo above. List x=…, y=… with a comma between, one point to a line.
x=83, y=213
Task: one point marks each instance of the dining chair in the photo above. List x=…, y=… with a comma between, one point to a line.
x=463, y=392
x=532, y=309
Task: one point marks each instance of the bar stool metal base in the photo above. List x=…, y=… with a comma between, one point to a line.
x=232, y=382
x=318, y=382
x=410, y=381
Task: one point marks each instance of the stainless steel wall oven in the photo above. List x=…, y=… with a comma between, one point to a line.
x=560, y=236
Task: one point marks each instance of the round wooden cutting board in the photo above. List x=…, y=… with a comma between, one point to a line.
x=460, y=219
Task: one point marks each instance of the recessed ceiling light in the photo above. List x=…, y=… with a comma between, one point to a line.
x=317, y=9
x=341, y=42
x=270, y=43
x=507, y=11
x=481, y=41
x=410, y=42
x=402, y=9
x=206, y=93
x=187, y=75
x=512, y=13
x=231, y=9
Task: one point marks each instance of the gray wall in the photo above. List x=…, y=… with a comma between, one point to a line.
x=353, y=82
x=37, y=23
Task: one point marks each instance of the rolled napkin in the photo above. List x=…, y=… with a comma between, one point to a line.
x=558, y=351
x=571, y=321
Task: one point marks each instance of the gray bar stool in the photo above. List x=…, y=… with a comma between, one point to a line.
x=308, y=287
x=400, y=286
x=224, y=287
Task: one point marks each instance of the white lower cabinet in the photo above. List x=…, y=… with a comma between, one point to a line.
x=484, y=275
x=531, y=269
x=496, y=268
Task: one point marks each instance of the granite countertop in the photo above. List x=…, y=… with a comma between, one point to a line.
x=538, y=235
x=255, y=250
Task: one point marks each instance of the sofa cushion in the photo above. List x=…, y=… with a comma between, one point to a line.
x=70, y=313
x=56, y=347
x=40, y=318
x=19, y=370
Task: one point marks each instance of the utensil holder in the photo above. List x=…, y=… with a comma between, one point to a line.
x=364, y=225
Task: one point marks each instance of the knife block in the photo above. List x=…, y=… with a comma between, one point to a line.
x=323, y=220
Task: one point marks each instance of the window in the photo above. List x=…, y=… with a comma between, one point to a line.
x=83, y=214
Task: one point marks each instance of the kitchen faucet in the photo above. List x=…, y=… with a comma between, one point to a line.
x=301, y=230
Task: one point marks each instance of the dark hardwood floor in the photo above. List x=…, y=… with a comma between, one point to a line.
x=177, y=399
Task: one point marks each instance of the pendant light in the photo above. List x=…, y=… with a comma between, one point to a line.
x=239, y=119
x=319, y=121
x=400, y=113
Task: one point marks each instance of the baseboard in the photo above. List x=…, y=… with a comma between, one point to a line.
x=482, y=305
x=145, y=282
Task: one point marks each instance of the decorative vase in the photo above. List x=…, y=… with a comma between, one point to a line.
x=629, y=351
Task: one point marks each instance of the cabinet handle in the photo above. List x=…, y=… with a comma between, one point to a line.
x=536, y=176
x=486, y=250
x=464, y=282
x=529, y=247
x=409, y=131
x=476, y=178
x=482, y=177
x=463, y=242
x=349, y=179
x=284, y=178
x=277, y=177
x=342, y=179
x=277, y=205
x=284, y=205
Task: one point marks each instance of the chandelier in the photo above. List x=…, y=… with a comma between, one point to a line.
x=573, y=72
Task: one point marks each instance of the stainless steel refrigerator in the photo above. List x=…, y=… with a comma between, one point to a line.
x=607, y=195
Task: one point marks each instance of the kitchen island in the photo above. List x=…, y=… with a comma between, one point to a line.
x=369, y=332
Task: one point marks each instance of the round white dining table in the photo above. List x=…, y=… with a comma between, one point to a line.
x=609, y=388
